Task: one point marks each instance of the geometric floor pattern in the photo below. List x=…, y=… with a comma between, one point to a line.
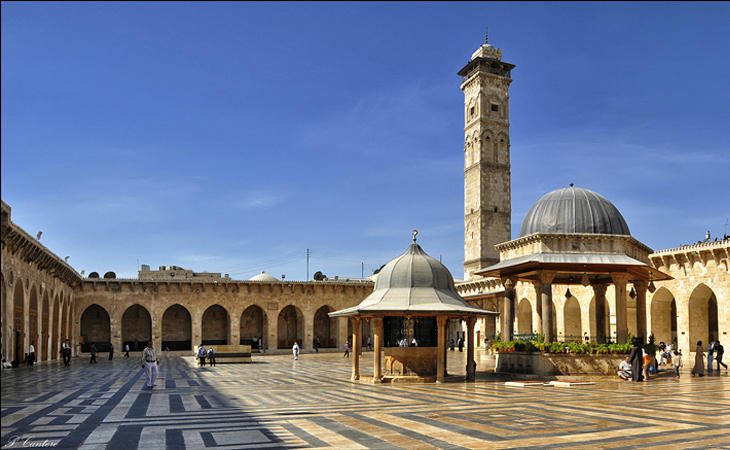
x=276, y=402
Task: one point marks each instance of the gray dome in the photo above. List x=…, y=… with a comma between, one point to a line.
x=573, y=210
x=414, y=268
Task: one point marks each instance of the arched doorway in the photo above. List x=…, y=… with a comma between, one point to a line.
x=325, y=328
x=33, y=336
x=95, y=328
x=703, y=324
x=253, y=327
x=606, y=320
x=290, y=326
x=45, y=334
x=572, y=320
x=136, y=328
x=18, y=321
x=215, y=326
x=524, y=317
x=664, y=316
x=177, y=329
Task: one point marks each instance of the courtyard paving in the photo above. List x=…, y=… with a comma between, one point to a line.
x=277, y=402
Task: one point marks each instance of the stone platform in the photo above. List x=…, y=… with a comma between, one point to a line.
x=278, y=402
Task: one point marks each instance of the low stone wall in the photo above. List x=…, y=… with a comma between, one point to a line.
x=557, y=363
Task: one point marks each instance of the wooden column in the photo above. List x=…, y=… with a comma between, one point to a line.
x=441, y=351
x=622, y=330
x=377, y=347
x=599, y=291
x=470, y=363
x=356, y=348
x=640, y=287
x=546, y=299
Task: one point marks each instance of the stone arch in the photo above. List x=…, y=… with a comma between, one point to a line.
x=253, y=326
x=177, y=328
x=4, y=325
x=325, y=327
x=216, y=324
x=703, y=324
x=18, y=320
x=55, y=327
x=606, y=319
x=664, y=316
x=136, y=327
x=33, y=335
x=95, y=327
x=572, y=320
x=524, y=317
x=45, y=333
x=290, y=327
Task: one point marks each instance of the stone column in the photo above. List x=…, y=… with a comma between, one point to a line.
x=377, y=347
x=622, y=330
x=309, y=329
x=470, y=363
x=599, y=291
x=356, y=344
x=197, y=332
x=156, y=330
x=441, y=348
x=538, y=306
x=546, y=299
x=641, y=323
x=115, y=331
x=509, y=308
x=234, y=336
x=342, y=332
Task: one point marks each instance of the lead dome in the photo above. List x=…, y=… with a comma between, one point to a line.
x=573, y=210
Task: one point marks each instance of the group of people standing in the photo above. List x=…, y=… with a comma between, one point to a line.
x=637, y=365
x=714, y=348
x=204, y=353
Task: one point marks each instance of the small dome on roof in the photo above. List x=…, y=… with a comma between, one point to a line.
x=413, y=269
x=573, y=210
x=263, y=276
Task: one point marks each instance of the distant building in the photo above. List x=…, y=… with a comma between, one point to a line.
x=178, y=273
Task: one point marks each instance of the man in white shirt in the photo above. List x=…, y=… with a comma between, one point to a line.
x=66, y=353
x=149, y=362
x=624, y=369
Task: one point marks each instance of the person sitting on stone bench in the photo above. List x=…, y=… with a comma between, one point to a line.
x=624, y=369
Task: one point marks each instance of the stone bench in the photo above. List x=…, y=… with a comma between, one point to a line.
x=229, y=354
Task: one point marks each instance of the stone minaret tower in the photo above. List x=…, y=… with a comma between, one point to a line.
x=487, y=203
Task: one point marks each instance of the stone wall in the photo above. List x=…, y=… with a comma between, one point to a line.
x=558, y=364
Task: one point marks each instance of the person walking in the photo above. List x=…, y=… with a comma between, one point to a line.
x=460, y=344
x=31, y=355
x=710, y=349
x=126, y=350
x=637, y=361
x=370, y=343
x=677, y=360
x=66, y=353
x=149, y=363
x=111, y=353
x=211, y=357
x=699, y=367
x=347, y=350
x=202, y=353
x=719, y=351
x=316, y=344
x=295, y=350
x=92, y=350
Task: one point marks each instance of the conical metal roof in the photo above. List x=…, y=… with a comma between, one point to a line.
x=414, y=283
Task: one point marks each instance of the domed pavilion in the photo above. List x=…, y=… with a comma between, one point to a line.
x=571, y=236
x=413, y=299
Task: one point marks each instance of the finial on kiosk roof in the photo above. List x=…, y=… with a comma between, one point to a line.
x=486, y=35
x=415, y=233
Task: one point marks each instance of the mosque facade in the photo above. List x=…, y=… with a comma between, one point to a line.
x=45, y=301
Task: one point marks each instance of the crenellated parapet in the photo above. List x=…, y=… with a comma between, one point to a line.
x=686, y=256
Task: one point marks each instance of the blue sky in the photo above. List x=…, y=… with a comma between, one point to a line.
x=231, y=137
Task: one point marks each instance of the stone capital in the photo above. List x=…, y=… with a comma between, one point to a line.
x=546, y=277
x=620, y=278
x=599, y=288
x=641, y=285
x=509, y=282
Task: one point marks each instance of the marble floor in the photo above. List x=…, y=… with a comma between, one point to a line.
x=276, y=402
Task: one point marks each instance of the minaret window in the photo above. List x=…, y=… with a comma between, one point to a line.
x=495, y=107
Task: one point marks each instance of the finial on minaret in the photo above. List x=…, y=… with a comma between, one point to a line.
x=415, y=233
x=486, y=35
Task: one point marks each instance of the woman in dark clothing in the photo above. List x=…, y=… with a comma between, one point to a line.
x=636, y=361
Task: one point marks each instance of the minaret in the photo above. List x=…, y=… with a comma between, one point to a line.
x=487, y=200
